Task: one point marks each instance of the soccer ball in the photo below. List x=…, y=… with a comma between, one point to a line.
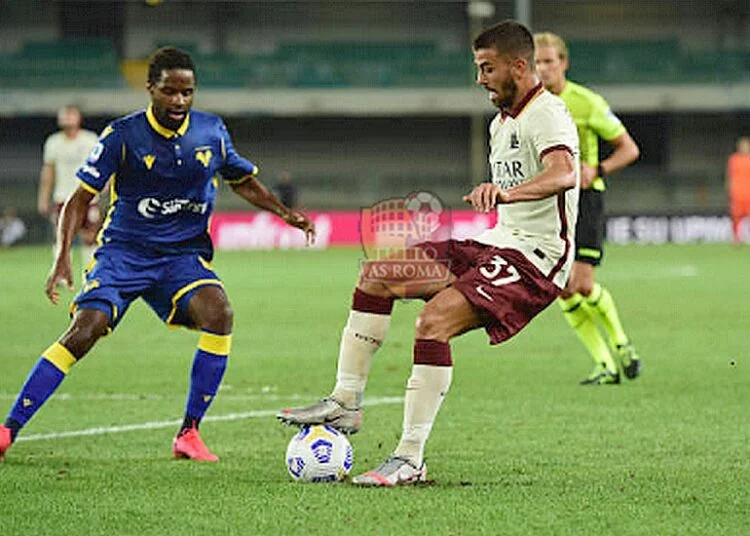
x=319, y=454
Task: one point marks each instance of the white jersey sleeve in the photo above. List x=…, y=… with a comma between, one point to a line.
x=49, y=154
x=550, y=131
x=67, y=155
x=542, y=230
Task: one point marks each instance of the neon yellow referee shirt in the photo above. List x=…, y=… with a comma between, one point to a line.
x=594, y=119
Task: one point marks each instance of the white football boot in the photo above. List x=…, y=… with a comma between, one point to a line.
x=395, y=471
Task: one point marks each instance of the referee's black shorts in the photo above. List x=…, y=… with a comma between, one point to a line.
x=590, y=227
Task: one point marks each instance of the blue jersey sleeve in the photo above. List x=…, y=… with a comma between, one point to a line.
x=103, y=161
x=234, y=169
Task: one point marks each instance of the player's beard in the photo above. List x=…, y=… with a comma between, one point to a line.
x=162, y=117
x=508, y=95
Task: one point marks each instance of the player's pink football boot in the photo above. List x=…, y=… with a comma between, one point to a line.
x=5, y=440
x=189, y=444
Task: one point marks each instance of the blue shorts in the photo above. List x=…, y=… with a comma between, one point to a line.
x=117, y=276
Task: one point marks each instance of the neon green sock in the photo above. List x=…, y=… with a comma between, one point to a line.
x=581, y=319
x=600, y=301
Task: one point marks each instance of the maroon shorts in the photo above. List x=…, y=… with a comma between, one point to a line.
x=91, y=220
x=502, y=283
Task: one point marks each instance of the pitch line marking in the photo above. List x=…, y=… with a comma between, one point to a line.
x=156, y=425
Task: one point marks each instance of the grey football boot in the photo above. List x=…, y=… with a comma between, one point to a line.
x=395, y=471
x=327, y=411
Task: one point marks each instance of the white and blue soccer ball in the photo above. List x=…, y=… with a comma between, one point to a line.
x=319, y=454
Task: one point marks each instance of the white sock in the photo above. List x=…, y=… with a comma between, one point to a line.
x=363, y=335
x=425, y=391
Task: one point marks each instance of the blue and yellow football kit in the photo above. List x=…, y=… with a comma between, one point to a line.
x=154, y=242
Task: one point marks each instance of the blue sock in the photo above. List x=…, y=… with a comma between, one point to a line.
x=43, y=380
x=209, y=365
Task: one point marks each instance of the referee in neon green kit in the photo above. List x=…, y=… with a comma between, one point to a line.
x=584, y=301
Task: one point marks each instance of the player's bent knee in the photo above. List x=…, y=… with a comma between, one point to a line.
x=581, y=279
x=373, y=287
x=209, y=309
x=430, y=325
x=576, y=285
x=218, y=318
x=585, y=288
x=227, y=317
x=88, y=326
x=566, y=294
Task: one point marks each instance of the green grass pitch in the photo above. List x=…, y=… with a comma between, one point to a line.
x=518, y=448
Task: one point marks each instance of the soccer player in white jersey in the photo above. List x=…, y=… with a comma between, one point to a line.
x=498, y=281
x=64, y=152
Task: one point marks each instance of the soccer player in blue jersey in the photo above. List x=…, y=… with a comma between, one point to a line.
x=161, y=163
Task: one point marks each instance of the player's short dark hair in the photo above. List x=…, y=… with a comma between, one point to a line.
x=167, y=58
x=508, y=37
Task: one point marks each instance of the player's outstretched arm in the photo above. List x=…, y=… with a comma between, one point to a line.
x=70, y=222
x=256, y=193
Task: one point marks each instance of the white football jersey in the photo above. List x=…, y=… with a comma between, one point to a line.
x=542, y=230
x=67, y=155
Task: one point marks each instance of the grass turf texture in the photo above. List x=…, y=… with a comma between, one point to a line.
x=518, y=448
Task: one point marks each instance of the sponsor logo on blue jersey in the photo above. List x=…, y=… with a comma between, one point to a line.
x=149, y=207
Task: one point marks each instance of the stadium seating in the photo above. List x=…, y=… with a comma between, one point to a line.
x=93, y=63
x=69, y=63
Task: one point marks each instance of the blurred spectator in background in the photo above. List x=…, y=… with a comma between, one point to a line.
x=738, y=185
x=64, y=152
x=286, y=190
x=12, y=228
